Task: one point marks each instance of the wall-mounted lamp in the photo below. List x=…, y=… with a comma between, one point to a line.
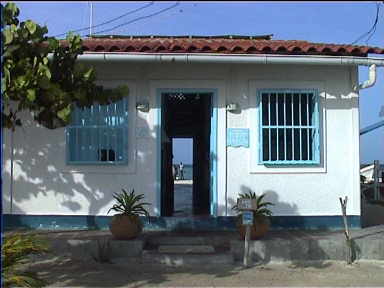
x=143, y=106
x=232, y=107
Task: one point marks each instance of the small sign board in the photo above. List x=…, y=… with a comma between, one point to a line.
x=246, y=204
x=247, y=218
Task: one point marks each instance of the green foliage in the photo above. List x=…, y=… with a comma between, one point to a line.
x=261, y=206
x=129, y=204
x=15, y=250
x=48, y=88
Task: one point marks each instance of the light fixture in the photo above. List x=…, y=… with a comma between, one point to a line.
x=232, y=107
x=142, y=106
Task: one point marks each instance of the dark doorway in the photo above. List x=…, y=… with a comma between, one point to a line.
x=186, y=115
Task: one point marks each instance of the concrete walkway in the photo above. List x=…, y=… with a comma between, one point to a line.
x=277, y=246
x=282, y=258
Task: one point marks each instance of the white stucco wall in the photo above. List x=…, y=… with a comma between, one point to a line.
x=45, y=185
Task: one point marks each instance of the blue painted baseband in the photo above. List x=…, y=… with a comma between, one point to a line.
x=221, y=223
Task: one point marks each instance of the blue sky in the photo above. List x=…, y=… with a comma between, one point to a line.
x=330, y=22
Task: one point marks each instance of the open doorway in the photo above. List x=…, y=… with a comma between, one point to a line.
x=182, y=151
x=186, y=115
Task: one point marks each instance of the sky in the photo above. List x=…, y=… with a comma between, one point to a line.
x=328, y=22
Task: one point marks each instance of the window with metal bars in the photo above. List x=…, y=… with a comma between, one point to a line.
x=98, y=134
x=289, y=126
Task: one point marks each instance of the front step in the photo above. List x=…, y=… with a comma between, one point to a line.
x=186, y=249
x=176, y=259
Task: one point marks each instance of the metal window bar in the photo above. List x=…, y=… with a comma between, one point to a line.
x=269, y=130
x=293, y=130
x=308, y=158
x=285, y=124
x=93, y=129
x=300, y=129
x=277, y=124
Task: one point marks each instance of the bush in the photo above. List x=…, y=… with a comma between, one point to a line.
x=15, y=251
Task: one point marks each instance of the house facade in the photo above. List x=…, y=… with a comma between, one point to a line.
x=262, y=119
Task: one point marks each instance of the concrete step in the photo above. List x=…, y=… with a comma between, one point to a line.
x=168, y=259
x=177, y=240
x=186, y=249
x=90, y=248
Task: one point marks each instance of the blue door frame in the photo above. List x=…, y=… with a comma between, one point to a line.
x=213, y=143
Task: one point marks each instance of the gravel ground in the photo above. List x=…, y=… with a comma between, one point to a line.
x=63, y=272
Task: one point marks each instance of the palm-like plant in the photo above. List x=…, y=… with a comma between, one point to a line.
x=129, y=204
x=261, y=207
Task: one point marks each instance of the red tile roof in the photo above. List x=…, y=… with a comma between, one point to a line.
x=221, y=45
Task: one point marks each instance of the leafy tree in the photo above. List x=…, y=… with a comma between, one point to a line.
x=47, y=86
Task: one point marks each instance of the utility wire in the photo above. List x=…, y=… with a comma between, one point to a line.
x=371, y=31
x=137, y=19
x=110, y=21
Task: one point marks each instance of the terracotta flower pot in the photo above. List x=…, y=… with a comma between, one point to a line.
x=125, y=227
x=258, y=230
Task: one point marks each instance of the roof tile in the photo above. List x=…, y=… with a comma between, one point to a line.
x=223, y=45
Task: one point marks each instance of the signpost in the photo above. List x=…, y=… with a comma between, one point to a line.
x=247, y=206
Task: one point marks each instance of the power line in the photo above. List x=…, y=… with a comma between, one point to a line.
x=112, y=20
x=137, y=19
x=371, y=31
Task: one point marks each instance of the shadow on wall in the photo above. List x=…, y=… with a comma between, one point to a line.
x=47, y=186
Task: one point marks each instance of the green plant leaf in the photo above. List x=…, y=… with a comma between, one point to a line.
x=31, y=26
x=31, y=95
x=8, y=36
x=63, y=114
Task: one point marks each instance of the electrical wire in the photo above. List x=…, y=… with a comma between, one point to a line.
x=110, y=21
x=371, y=31
x=137, y=19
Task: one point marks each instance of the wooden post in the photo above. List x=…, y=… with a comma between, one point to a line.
x=246, y=245
x=343, y=204
x=376, y=186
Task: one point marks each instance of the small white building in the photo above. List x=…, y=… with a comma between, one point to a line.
x=274, y=117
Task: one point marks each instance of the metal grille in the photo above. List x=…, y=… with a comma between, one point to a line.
x=289, y=127
x=98, y=134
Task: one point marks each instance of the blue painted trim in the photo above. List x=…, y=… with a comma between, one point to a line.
x=158, y=117
x=219, y=223
x=315, y=121
x=237, y=137
x=213, y=140
x=213, y=154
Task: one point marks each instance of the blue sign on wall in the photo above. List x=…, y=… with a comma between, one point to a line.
x=237, y=137
x=247, y=218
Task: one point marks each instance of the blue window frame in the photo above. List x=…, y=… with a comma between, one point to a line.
x=98, y=134
x=289, y=126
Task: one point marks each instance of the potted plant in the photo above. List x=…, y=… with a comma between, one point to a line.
x=127, y=224
x=260, y=216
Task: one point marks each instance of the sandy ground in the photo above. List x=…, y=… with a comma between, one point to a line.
x=63, y=272
x=183, y=198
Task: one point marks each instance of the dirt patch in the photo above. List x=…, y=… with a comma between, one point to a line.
x=64, y=272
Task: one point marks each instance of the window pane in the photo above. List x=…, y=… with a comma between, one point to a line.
x=273, y=108
x=311, y=108
x=288, y=141
x=296, y=110
x=296, y=146
x=281, y=144
x=311, y=144
x=304, y=144
x=280, y=101
x=304, y=113
x=273, y=144
x=265, y=144
x=265, y=109
x=288, y=108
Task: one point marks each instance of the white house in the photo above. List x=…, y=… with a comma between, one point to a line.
x=274, y=117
